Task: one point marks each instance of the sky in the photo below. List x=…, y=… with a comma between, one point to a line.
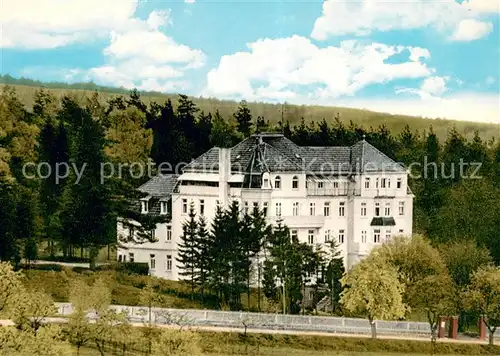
x=432, y=58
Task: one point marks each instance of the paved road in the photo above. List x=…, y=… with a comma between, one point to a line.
x=284, y=332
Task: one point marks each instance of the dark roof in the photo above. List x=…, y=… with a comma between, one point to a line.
x=161, y=185
x=383, y=221
x=276, y=153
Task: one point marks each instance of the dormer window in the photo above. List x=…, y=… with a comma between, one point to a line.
x=277, y=182
x=265, y=181
x=295, y=182
x=163, y=207
x=144, y=206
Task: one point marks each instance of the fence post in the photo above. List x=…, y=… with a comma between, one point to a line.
x=482, y=329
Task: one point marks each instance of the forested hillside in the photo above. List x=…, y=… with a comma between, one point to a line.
x=27, y=88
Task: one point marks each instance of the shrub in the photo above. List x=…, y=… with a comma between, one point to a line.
x=133, y=268
x=177, y=342
x=43, y=267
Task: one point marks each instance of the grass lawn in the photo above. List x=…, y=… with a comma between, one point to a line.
x=236, y=344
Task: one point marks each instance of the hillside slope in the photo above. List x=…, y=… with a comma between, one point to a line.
x=271, y=112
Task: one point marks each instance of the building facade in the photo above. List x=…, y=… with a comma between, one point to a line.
x=355, y=195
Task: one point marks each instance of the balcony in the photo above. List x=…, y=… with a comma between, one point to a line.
x=303, y=221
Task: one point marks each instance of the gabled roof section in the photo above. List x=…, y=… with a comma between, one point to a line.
x=326, y=159
x=366, y=158
x=274, y=152
x=161, y=185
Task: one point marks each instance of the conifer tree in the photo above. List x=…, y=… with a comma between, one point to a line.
x=87, y=198
x=243, y=117
x=334, y=272
x=219, y=274
x=203, y=262
x=53, y=150
x=188, y=250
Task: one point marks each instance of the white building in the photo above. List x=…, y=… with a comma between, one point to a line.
x=356, y=195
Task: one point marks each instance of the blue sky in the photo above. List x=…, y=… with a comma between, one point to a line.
x=422, y=57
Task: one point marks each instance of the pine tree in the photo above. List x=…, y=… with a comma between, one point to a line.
x=334, y=272
x=203, y=262
x=188, y=250
x=243, y=117
x=53, y=150
x=222, y=133
x=86, y=198
x=9, y=248
x=218, y=271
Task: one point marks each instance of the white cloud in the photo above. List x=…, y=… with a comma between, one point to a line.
x=464, y=107
x=139, y=50
x=36, y=24
x=189, y=1
x=146, y=58
x=361, y=17
x=471, y=29
x=490, y=80
x=298, y=65
x=435, y=86
x=431, y=87
x=485, y=6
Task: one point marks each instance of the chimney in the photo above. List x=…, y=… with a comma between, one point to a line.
x=224, y=174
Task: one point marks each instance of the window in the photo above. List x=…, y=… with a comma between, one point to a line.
x=341, y=236
x=387, y=235
x=144, y=206
x=327, y=235
x=367, y=183
x=119, y=258
x=265, y=183
x=295, y=235
x=184, y=206
x=255, y=205
x=387, y=210
x=388, y=182
x=382, y=183
x=377, y=209
x=131, y=232
x=245, y=207
x=131, y=257
x=342, y=208
x=376, y=236
x=163, y=207
x=363, y=236
x=277, y=182
x=320, y=185
x=310, y=237
x=202, y=207
x=376, y=183
x=312, y=209
x=264, y=209
x=399, y=183
x=326, y=209
x=169, y=233
x=295, y=182
x=363, y=209
x=278, y=209
x=401, y=208
x=401, y=231
x=295, y=209
x=168, y=263
x=152, y=261
x=335, y=185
